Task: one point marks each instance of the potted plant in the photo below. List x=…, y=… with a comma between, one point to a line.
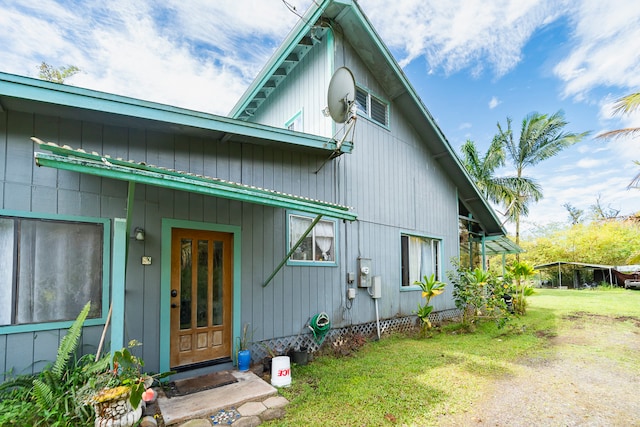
x=117, y=387
x=244, y=354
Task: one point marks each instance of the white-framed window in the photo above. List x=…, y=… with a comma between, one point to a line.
x=318, y=248
x=420, y=256
x=49, y=269
x=295, y=123
x=372, y=107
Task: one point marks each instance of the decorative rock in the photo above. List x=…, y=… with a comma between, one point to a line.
x=116, y=412
x=223, y=417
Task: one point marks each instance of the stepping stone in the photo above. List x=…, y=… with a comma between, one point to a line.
x=276, y=402
x=251, y=408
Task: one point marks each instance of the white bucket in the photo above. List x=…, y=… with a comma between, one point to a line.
x=280, y=371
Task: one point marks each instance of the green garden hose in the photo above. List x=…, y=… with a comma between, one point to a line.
x=320, y=325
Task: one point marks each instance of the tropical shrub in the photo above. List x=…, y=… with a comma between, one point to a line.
x=430, y=289
x=479, y=294
x=521, y=272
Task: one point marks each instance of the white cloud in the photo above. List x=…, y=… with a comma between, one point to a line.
x=200, y=55
x=588, y=163
x=494, y=102
x=601, y=29
x=457, y=35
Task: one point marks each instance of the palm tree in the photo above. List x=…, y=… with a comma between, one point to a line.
x=541, y=137
x=502, y=191
x=625, y=105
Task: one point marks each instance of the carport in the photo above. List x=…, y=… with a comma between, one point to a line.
x=577, y=269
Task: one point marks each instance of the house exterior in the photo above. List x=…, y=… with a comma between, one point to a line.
x=181, y=227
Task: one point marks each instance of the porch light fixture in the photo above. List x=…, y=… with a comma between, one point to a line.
x=138, y=233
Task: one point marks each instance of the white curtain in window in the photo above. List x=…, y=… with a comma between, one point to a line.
x=415, y=259
x=427, y=258
x=421, y=258
x=324, y=238
x=297, y=227
x=60, y=270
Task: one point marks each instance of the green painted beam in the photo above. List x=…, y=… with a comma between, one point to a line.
x=292, y=250
x=119, y=266
x=181, y=181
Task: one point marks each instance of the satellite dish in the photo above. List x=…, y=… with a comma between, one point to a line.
x=341, y=95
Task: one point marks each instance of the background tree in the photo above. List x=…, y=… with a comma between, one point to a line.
x=599, y=212
x=626, y=105
x=612, y=242
x=575, y=214
x=57, y=75
x=541, y=137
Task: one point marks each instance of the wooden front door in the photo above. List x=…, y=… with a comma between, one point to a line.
x=201, y=300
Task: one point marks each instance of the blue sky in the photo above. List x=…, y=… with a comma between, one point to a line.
x=473, y=62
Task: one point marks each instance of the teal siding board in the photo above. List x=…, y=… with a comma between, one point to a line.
x=19, y=353
x=4, y=368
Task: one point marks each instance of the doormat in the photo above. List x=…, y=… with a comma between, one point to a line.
x=194, y=385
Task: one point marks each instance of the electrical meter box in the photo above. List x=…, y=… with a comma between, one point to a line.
x=376, y=287
x=364, y=272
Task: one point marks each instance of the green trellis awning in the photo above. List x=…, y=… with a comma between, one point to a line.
x=67, y=158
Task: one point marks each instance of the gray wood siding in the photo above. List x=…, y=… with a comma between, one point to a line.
x=305, y=88
x=280, y=309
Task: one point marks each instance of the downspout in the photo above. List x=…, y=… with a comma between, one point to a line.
x=470, y=242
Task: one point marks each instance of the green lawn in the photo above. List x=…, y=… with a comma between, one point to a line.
x=409, y=380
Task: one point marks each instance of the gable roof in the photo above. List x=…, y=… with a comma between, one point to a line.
x=347, y=15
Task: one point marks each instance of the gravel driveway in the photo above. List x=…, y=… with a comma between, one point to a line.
x=589, y=375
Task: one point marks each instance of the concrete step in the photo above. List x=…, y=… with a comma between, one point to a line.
x=249, y=388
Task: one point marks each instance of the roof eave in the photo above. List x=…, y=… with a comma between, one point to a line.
x=43, y=93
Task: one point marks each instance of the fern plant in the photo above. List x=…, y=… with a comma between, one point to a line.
x=50, y=397
x=49, y=383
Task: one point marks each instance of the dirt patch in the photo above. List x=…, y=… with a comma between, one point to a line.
x=587, y=376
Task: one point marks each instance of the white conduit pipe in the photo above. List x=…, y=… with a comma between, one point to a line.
x=377, y=319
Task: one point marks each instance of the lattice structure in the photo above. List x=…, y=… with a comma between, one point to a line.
x=281, y=346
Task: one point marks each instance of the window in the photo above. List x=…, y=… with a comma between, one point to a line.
x=318, y=246
x=295, y=123
x=49, y=269
x=420, y=257
x=372, y=107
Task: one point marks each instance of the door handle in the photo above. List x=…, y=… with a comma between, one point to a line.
x=174, y=305
x=174, y=293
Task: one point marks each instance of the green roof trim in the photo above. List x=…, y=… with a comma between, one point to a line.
x=495, y=245
x=55, y=94
x=79, y=161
